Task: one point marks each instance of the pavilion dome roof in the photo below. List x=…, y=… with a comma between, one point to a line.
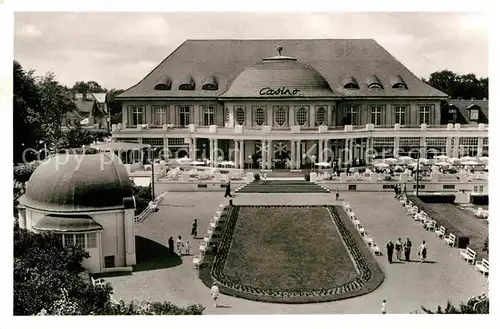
x=79, y=183
x=279, y=76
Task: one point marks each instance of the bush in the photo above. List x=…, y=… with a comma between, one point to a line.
x=437, y=198
x=143, y=196
x=23, y=172
x=481, y=200
x=307, y=177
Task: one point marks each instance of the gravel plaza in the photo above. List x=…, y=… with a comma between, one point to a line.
x=407, y=286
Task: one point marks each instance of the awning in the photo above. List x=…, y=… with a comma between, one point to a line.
x=120, y=146
x=67, y=223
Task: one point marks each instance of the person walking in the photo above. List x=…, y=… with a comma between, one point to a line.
x=422, y=252
x=399, y=248
x=214, y=292
x=383, y=308
x=390, y=250
x=194, y=229
x=337, y=194
x=187, y=248
x=179, y=244
x=171, y=245
x=264, y=176
x=228, y=190
x=407, y=247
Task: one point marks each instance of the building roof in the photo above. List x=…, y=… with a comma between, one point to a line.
x=78, y=183
x=334, y=59
x=463, y=106
x=67, y=223
x=267, y=79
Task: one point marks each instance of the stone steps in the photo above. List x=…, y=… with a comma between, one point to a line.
x=277, y=186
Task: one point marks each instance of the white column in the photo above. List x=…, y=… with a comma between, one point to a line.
x=320, y=149
x=480, y=146
x=293, y=162
x=129, y=236
x=263, y=160
x=329, y=152
x=351, y=150
x=345, y=153
x=236, y=154
x=449, y=151
x=396, y=147
x=270, y=152
x=456, y=147
x=242, y=154
x=194, y=154
x=216, y=154
x=423, y=147
x=211, y=151
x=298, y=156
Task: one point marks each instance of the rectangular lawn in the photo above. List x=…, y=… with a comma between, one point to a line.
x=288, y=248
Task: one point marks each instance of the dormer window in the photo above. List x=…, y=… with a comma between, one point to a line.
x=209, y=83
x=474, y=114
x=373, y=82
x=187, y=83
x=163, y=83
x=350, y=83
x=375, y=86
x=452, y=113
x=397, y=82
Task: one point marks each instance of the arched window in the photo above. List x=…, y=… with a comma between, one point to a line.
x=186, y=87
x=349, y=82
x=301, y=116
x=280, y=116
x=399, y=85
x=259, y=116
x=375, y=85
x=163, y=83
x=187, y=83
x=162, y=86
x=320, y=116
x=240, y=116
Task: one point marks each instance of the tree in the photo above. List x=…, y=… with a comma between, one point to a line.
x=26, y=106
x=115, y=106
x=87, y=87
x=471, y=307
x=55, y=102
x=42, y=267
x=465, y=86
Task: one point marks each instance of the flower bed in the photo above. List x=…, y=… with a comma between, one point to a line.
x=287, y=254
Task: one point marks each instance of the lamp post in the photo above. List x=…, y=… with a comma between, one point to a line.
x=251, y=163
x=44, y=148
x=152, y=161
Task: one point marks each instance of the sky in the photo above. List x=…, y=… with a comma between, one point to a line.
x=119, y=49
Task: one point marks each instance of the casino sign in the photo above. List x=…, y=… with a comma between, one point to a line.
x=283, y=91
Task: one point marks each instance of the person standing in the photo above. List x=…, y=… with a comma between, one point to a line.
x=337, y=194
x=228, y=190
x=179, y=244
x=171, y=245
x=407, y=247
x=390, y=250
x=383, y=308
x=214, y=292
x=399, y=248
x=422, y=252
x=194, y=229
x=264, y=176
x=187, y=248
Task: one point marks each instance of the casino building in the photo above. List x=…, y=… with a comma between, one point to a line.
x=293, y=102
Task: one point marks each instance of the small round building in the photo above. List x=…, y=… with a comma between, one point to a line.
x=88, y=200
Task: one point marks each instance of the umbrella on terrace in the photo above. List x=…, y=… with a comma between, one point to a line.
x=483, y=160
x=443, y=164
x=322, y=164
x=424, y=161
x=442, y=157
x=453, y=160
x=381, y=165
x=470, y=163
x=467, y=158
x=390, y=161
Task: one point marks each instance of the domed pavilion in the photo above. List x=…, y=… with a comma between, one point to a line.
x=88, y=200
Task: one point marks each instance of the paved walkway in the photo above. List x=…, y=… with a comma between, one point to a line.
x=407, y=286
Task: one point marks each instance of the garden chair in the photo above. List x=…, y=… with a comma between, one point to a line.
x=203, y=248
x=197, y=261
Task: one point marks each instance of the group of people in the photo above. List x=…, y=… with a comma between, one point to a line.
x=180, y=246
x=399, y=247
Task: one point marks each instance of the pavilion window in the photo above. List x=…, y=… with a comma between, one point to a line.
x=208, y=115
x=184, y=116
x=452, y=114
x=376, y=115
x=400, y=115
x=425, y=114
x=80, y=240
x=137, y=115
x=68, y=240
x=160, y=115
x=280, y=116
x=109, y=261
